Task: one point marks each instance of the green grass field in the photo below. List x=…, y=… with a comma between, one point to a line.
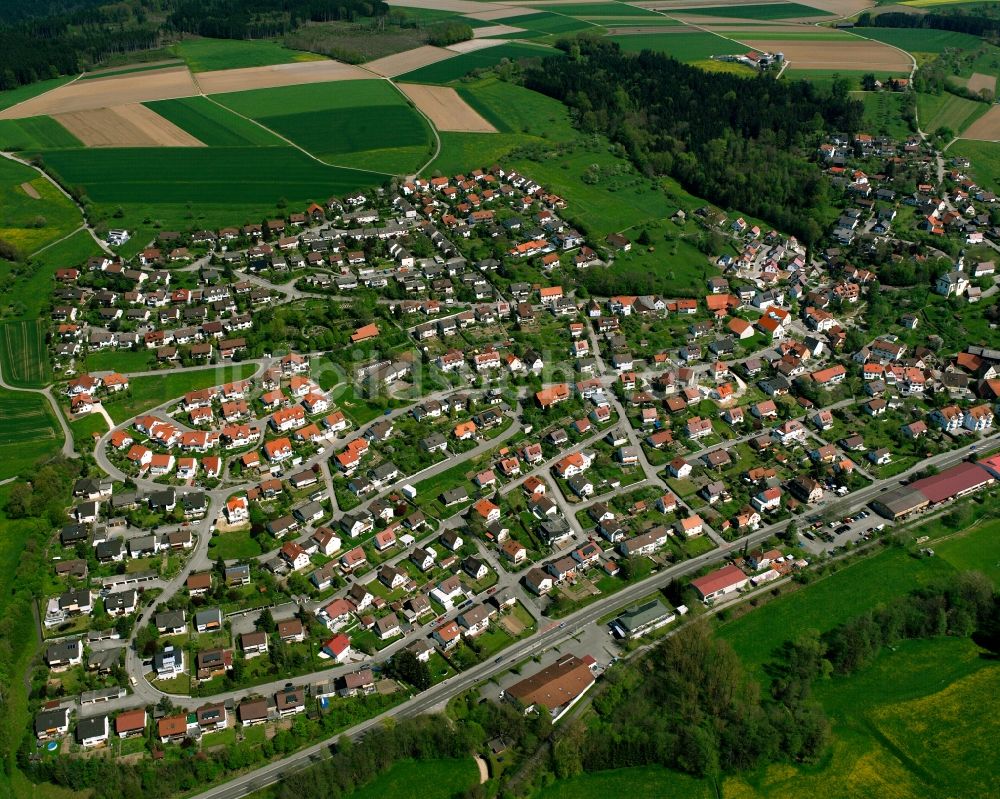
x=130, y=69
x=28, y=223
x=33, y=288
x=949, y=111
x=461, y=65
x=686, y=47
x=979, y=552
x=28, y=431
x=828, y=602
x=548, y=23
x=642, y=781
x=198, y=186
x=206, y=55
x=35, y=133
x=233, y=546
x=148, y=392
x=363, y=124
x=763, y=11
x=884, y=113
x=213, y=125
x=584, y=10
x=984, y=156
x=921, y=40
x=24, y=355
x=426, y=779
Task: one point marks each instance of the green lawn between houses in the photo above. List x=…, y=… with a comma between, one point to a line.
x=148, y=392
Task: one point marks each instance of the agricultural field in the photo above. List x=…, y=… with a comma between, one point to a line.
x=358, y=124
x=28, y=431
x=461, y=65
x=948, y=111
x=188, y=187
x=599, y=10
x=33, y=212
x=762, y=11
x=974, y=552
x=921, y=40
x=207, y=55
x=686, y=47
x=12, y=97
x=24, y=354
x=35, y=133
x=213, y=125
x=148, y=392
x=547, y=23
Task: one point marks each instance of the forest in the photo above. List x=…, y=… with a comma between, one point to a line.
x=739, y=142
x=36, y=46
x=981, y=21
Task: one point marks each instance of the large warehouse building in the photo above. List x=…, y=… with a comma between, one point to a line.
x=957, y=481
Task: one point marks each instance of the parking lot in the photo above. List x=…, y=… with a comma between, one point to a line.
x=830, y=537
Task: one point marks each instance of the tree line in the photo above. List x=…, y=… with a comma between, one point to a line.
x=977, y=22
x=64, y=39
x=740, y=142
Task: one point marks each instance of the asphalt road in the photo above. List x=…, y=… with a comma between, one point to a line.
x=554, y=634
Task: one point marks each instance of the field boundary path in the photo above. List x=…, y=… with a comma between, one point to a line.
x=68, y=447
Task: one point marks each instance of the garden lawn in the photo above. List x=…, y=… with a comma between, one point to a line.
x=84, y=428
x=213, y=125
x=424, y=779
x=206, y=55
x=364, y=124
x=686, y=47
x=148, y=392
x=28, y=432
x=454, y=68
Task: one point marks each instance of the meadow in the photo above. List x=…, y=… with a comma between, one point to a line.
x=884, y=114
x=24, y=354
x=921, y=40
x=28, y=432
x=828, y=601
x=35, y=133
x=548, y=23
x=947, y=110
x=30, y=223
x=363, y=124
x=212, y=124
x=682, y=46
x=461, y=65
x=148, y=392
x=206, y=55
x=985, y=159
x=426, y=779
